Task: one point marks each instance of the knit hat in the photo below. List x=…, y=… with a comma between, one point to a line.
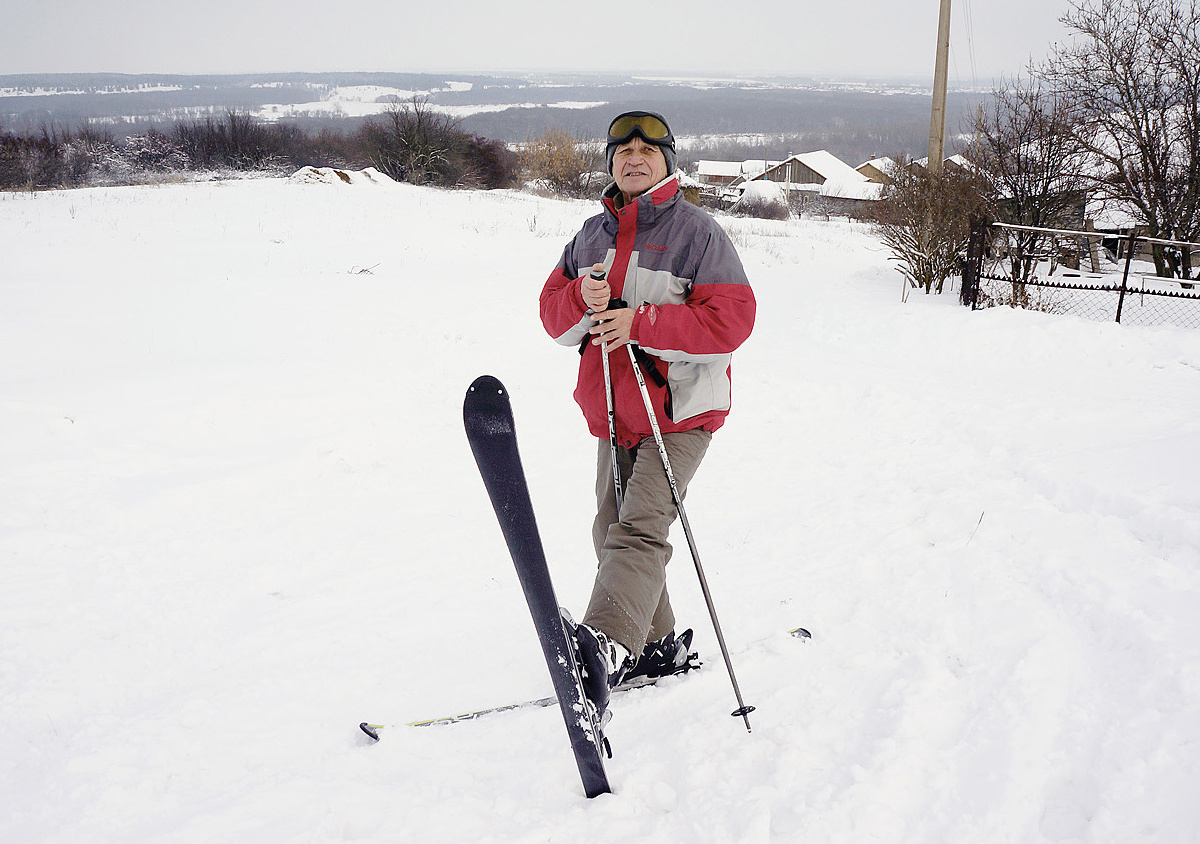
x=650, y=127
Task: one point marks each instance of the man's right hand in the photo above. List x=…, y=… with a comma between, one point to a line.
x=595, y=291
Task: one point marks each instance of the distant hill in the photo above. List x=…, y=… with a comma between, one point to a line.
x=757, y=117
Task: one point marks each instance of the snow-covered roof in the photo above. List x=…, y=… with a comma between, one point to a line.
x=727, y=169
x=880, y=164
x=883, y=166
x=864, y=189
x=829, y=165
x=752, y=167
x=957, y=160
x=1112, y=215
x=732, y=169
x=822, y=162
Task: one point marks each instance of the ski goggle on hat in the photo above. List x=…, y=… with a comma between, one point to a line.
x=652, y=127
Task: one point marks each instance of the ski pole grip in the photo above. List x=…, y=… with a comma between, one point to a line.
x=600, y=275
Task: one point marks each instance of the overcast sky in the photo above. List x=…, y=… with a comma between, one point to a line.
x=840, y=38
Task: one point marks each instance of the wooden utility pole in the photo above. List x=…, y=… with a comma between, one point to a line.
x=937, y=120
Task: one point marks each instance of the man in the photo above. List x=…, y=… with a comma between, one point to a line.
x=690, y=307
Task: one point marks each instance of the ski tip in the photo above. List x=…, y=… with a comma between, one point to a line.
x=370, y=729
x=800, y=633
x=487, y=384
x=486, y=408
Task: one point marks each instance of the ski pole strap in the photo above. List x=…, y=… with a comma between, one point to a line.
x=649, y=366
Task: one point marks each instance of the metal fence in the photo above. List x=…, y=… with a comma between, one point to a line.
x=1122, y=295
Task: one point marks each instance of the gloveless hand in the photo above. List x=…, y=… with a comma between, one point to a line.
x=595, y=291
x=612, y=328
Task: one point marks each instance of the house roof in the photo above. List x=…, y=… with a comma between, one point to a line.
x=864, y=189
x=730, y=169
x=957, y=160
x=830, y=166
x=822, y=162
x=880, y=164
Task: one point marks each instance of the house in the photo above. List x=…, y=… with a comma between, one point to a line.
x=877, y=169
x=824, y=174
x=811, y=168
x=819, y=174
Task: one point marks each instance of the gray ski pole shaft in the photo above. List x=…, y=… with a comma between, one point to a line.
x=743, y=710
x=612, y=413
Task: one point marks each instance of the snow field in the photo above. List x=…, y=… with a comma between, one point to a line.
x=239, y=516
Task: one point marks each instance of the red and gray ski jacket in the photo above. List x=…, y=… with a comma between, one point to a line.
x=677, y=268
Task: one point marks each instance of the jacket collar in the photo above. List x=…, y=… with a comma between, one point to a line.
x=650, y=204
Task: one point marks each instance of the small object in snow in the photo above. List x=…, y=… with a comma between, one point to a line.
x=800, y=633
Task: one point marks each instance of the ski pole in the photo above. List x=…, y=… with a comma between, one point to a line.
x=743, y=710
x=598, y=275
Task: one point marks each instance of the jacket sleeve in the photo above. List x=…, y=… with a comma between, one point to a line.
x=563, y=312
x=717, y=317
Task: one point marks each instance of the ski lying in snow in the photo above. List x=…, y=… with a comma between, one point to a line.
x=488, y=418
x=692, y=664
x=542, y=702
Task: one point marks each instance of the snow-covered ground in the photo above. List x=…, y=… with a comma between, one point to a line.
x=238, y=516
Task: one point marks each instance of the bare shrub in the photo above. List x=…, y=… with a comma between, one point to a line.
x=488, y=164
x=564, y=162
x=924, y=219
x=413, y=143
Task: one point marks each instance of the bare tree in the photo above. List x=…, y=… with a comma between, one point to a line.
x=1025, y=149
x=1133, y=78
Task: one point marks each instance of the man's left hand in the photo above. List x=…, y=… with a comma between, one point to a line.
x=612, y=328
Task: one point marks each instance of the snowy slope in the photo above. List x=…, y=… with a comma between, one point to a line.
x=238, y=516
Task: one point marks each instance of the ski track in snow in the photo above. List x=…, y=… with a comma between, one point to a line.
x=238, y=515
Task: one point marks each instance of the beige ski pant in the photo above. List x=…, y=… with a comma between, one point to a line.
x=629, y=600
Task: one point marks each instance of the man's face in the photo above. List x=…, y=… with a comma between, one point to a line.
x=637, y=167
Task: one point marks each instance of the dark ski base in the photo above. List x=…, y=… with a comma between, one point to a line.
x=488, y=418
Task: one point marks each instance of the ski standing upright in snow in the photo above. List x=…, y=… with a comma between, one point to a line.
x=488, y=417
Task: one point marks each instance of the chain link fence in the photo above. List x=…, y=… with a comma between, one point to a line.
x=1122, y=295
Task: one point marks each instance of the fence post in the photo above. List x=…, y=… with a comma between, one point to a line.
x=969, y=295
x=1130, y=247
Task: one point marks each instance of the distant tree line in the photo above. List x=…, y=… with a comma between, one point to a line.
x=409, y=142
